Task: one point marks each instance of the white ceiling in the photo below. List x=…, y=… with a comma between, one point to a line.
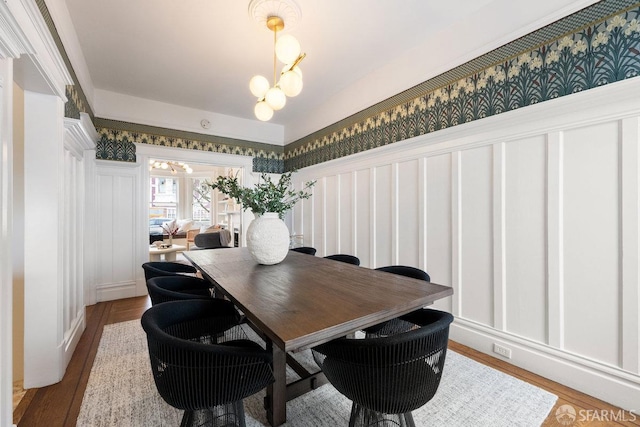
x=201, y=53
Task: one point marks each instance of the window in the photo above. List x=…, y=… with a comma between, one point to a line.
x=164, y=197
x=200, y=202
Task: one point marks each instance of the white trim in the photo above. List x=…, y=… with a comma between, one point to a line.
x=115, y=291
x=81, y=135
x=555, y=239
x=13, y=42
x=630, y=266
x=456, y=233
x=6, y=233
x=45, y=56
x=499, y=244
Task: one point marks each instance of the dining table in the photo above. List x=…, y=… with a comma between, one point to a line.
x=304, y=301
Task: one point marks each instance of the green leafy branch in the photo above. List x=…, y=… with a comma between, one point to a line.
x=266, y=196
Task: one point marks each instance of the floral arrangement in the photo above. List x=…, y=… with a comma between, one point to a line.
x=266, y=196
x=171, y=228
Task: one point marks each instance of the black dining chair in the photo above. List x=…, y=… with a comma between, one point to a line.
x=305, y=250
x=349, y=259
x=388, y=377
x=171, y=288
x=202, y=361
x=396, y=325
x=164, y=268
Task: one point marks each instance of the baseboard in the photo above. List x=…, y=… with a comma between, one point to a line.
x=115, y=291
x=608, y=383
x=72, y=336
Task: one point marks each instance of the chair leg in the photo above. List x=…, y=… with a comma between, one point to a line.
x=355, y=411
x=406, y=419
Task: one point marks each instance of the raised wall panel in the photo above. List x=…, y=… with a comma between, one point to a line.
x=383, y=215
x=116, y=235
x=363, y=225
x=438, y=227
x=345, y=210
x=318, y=229
x=331, y=216
x=525, y=230
x=307, y=221
x=476, y=281
x=592, y=242
x=409, y=198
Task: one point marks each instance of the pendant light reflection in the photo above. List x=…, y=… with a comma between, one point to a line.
x=173, y=167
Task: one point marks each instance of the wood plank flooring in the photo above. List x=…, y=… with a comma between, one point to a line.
x=59, y=404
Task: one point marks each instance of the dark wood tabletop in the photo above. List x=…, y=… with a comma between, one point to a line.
x=305, y=301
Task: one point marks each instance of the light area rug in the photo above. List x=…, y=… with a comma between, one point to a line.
x=121, y=392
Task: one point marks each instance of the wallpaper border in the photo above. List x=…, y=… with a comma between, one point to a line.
x=594, y=46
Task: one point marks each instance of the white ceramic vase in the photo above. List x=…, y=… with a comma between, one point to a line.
x=268, y=239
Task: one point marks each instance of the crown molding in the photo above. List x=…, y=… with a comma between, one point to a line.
x=43, y=56
x=13, y=41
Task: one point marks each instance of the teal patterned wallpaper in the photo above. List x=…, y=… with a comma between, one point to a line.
x=117, y=143
x=604, y=48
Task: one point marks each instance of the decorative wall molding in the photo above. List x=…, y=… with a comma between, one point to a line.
x=45, y=59
x=80, y=135
x=13, y=42
x=502, y=210
x=603, y=50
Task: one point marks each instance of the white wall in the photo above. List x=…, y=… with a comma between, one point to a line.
x=531, y=216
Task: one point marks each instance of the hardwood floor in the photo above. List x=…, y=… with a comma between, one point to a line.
x=59, y=404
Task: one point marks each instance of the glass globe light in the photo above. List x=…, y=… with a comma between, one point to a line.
x=164, y=165
x=287, y=49
x=262, y=111
x=291, y=83
x=276, y=98
x=189, y=170
x=259, y=85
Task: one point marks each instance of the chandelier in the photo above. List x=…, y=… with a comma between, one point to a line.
x=286, y=49
x=173, y=167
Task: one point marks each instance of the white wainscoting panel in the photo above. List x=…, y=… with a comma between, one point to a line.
x=531, y=216
x=384, y=199
x=318, y=224
x=476, y=281
x=331, y=216
x=118, y=197
x=346, y=215
x=592, y=241
x=525, y=241
x=438, y=230
x=407, y=240
x=364, y=217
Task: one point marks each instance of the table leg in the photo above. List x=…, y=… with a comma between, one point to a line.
x=170, y=256
x=155, y=257
x=276, y=400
